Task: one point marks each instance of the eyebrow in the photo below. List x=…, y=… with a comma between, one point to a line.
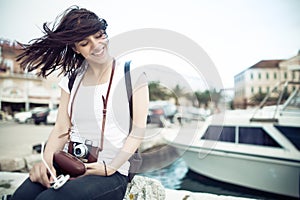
x=100, y=32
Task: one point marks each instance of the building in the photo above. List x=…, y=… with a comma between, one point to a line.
x=21, y=90
x=262, y=77
x=292, y=64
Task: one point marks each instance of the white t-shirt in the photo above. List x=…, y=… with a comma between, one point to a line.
x=87, y=111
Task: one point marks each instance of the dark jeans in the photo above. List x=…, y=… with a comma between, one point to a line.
x=89, y=187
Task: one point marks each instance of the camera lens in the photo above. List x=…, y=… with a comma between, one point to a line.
x=80, y=150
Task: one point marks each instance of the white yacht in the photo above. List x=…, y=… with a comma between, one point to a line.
x=258, y=149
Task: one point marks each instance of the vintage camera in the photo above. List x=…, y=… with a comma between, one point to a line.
x=83, y=149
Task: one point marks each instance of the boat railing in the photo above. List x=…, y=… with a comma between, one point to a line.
x=276, y=88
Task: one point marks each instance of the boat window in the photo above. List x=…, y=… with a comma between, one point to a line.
x=220, y=133
x=256, y=136
x=292, y=134
x=294, y=104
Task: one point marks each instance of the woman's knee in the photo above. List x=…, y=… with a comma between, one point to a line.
x=28, y=190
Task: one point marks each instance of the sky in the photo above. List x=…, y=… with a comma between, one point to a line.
x=235, y=34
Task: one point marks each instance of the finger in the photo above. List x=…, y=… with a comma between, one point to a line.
x=89, y=165
x=44, y=180
x=93, y=165
x=54, y=173
x=34, y=173
x=91, y=171
x=94, y=168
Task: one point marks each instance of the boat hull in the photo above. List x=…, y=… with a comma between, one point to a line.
x=275, y=176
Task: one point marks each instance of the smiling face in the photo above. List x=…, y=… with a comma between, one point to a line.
x=94, y=48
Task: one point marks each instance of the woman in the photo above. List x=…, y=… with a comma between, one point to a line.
x=78, y=46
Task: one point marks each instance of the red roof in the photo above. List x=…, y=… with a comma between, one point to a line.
x=266, y=64
x=10, y=44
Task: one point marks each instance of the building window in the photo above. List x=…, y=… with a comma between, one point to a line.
x=285, y=75
x=259, y=76
x=268, y=89
x=275, y=75
x=252, y=90
x=251, y=76
x=9, y=63
x=259, y=89
x=267, y=75
x=293, y=75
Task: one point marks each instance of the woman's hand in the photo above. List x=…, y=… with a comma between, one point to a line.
x=98, y=169
x=39, y=173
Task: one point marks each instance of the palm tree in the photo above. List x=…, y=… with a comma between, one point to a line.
x=258, y=97
x=158, y=92
x=203, y=97
x=177, y=93
x=208, y=96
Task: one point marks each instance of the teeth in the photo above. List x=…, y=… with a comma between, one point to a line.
x=99, y=52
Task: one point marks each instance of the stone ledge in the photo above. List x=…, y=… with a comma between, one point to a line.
x=12, y=164
x=31, y=160
x=19, y=164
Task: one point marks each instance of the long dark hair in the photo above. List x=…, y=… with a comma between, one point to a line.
x=55, y=49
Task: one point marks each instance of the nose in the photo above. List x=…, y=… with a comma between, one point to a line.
x=94, y=43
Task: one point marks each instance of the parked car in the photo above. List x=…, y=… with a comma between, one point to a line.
x=160, y=112
x=188, y=114
x=22, y=117
x=51, y=118
x=40, y=116
x=26, y=116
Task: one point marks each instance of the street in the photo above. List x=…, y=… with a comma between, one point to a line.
x=16, y=140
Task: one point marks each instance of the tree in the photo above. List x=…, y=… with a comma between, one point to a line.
x=203, y=97
x=158, y=92
x=208, y=96
x=272, y=98
x=258, y=97
x=177, y=93
x=215, y=96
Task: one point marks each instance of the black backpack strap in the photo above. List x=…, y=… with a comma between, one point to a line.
x=129, y=91
x=136, y=159
x=71, y=81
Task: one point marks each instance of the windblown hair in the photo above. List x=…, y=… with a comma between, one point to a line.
x=55, y=49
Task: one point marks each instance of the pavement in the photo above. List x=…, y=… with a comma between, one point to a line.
x=10, y=181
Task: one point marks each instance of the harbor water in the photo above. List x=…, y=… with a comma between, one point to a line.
x=178, y=176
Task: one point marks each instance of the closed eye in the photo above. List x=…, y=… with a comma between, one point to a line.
x=83, y=43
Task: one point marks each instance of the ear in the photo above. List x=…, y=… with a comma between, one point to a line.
x=75, y=50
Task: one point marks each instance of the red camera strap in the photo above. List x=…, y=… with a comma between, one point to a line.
x=104, y=99
x=105, y=105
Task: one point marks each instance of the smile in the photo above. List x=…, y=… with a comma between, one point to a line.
x=98, y=51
